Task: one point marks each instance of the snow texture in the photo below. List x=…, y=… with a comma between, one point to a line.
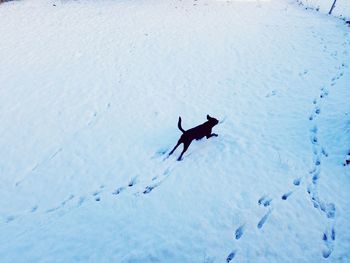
x=341, y=9
x=90, y=95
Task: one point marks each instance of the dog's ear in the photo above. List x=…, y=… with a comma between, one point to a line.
x=208, y=117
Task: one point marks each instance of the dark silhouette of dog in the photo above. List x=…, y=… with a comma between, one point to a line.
x=195, y=133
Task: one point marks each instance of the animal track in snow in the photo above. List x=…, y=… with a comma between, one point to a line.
x=63, y=203
x=160, y=152
x=132, y=182
x=34, y=209
x=118, y=190
x=313, y=139
x=317, y=161
x=317, y=110
x=262, y=221
x=156, y=180
x=164, y=176
x=319, y=151
x=149, y=188
x=323, y=151
x=239, y=232
x=286, y=195
x=230, y=256
x=297, y=181
x=324, y=93
x=315, y=176
x=328, y=240
x=265, y=201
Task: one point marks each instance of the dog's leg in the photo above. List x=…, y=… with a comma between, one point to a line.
x=211, y=135
x=178, y=143
x=186, y=145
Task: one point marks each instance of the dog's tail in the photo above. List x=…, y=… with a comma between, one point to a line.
x=179, y=125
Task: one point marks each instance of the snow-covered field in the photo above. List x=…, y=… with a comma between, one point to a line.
x=341, y=8
x=90, y=94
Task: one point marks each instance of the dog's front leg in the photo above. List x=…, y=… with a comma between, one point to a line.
x=211, y=135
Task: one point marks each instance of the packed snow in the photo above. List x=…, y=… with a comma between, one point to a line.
x=90, y=95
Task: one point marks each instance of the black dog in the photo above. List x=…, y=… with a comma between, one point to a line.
x=195, y=133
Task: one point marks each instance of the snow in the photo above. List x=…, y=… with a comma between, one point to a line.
x=90, y=94
x=341, y=9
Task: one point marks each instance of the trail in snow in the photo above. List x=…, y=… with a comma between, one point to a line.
x=88, y=116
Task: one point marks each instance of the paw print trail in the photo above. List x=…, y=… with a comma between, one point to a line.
x=319, y=153
x=328, y=240
x=156, y=180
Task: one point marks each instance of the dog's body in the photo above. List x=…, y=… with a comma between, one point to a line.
x=195, y=133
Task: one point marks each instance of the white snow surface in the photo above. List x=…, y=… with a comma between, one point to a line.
x=341, y=9
x=90, y=94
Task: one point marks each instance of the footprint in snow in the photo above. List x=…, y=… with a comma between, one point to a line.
x=262, y=221
x=328, y=239
x=34, y=209
x=132, y=182
x=297, y=181
x=317, y=110
x=118, y=190
x=286, y=195
x=230, y=256
x=96, y=195
x=315, y=177
x=148, y=189
x=314, y=139
x=324, y=93
x=160, y=152
x=317, y=161
x=324, y=152
x=239, y=232
x=265, y=201
x=326, y=253
x=330, y=210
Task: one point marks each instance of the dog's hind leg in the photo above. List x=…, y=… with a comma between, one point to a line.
x=186, y=145
x=178, y=143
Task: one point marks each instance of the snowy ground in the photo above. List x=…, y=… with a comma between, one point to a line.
x=90, y=94
x=341, y=9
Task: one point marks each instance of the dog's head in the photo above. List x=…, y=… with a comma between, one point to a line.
x=212, y=120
